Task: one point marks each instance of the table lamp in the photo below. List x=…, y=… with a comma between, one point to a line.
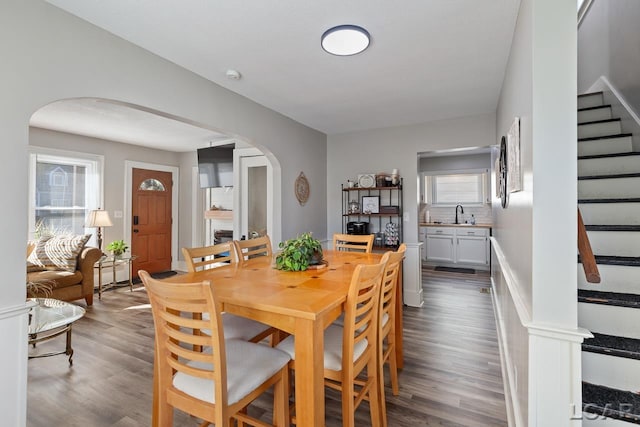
x=99, y=218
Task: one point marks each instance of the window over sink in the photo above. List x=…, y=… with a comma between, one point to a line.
x=449, y=189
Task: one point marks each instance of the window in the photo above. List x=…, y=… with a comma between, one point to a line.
x=459, y=188
x=63, y=187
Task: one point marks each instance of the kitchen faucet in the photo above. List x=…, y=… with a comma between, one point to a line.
x=461, y=211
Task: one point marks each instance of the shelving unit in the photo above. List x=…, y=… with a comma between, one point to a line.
x=388, y=197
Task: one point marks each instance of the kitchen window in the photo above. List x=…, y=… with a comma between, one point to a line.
x=64, y=187
x=450, y=189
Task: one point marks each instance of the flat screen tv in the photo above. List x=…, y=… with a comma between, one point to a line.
x=215, y=166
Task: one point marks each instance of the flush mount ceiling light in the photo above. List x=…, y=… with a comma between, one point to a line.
x=233, y=74
x=345, y=40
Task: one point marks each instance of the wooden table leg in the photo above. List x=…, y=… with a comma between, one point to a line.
x=309, y=376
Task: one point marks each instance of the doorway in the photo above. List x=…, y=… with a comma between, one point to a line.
x=156, y=240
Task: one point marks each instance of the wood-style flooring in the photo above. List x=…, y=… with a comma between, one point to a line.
x=451, y=376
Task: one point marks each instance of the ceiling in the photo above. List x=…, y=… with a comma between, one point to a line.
x=428, y=59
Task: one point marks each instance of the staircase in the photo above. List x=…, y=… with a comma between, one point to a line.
x=609, y=199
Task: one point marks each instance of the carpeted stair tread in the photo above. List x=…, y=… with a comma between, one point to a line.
x=612, y=227
x=611, y=402
x=609, y=298
x=617, y=200
x=594, y=122
x=613, y=176
x=612, y=136
x=613, y=345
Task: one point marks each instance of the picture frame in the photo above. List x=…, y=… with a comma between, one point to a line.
x=370, y=204
x=514, y=178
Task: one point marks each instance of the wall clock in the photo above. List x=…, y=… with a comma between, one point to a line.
x=503, y=188
x=301, y=188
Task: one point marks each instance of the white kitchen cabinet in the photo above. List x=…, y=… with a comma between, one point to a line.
x=422, y=238
x=440, y=244
x=460, y=246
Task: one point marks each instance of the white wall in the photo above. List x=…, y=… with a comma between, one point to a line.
x=534, y=276
x=608, y=41
x=382, y=150
x=50, y=55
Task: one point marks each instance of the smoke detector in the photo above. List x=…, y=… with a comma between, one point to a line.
x=233, y=74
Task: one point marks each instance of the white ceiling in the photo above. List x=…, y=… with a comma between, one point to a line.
x=428, y=59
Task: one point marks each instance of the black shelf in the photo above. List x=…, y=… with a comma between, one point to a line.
x=388, y=196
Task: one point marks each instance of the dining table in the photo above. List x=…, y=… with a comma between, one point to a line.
x=300, y=303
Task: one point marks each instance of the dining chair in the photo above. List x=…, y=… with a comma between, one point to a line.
x=214, y=385
x=235, y=327
x=387, y=324
x=348, y=350
x=353, y=242
x=251, y=248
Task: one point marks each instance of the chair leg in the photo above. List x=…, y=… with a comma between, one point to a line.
x=281, y=400
x=375, y=407
x=393, y=369
x=348, y=404
x=380, y=391
x=165, y=412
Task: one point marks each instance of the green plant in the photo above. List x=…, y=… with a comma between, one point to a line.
x=117, y=247
x=297, y=254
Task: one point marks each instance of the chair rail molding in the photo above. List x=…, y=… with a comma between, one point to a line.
x=553, y=358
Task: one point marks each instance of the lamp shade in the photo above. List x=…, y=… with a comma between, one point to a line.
x=99, y=218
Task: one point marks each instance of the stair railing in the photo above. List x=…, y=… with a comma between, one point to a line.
x=586, y=254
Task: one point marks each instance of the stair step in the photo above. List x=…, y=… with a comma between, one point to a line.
x=614, y=278
x=611, y=402
x=590, y=114
x=613, y=176
x=617, y=242
x=610, y=211
x=613, y=345
x=599, y=128
x=609, y=144
x=605, y=156
x=612, y=227
x=606, y=164
x=622, y=187
x=587, y=100
x=609, y=298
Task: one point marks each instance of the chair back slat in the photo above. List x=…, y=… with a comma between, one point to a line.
x=252, y=248
x=207, y=257
x=388, y=288
x=353, y=242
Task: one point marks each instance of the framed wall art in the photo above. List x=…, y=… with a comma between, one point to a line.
x=370, y=204
x=514, y=180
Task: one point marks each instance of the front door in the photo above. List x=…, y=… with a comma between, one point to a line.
x=151, y=220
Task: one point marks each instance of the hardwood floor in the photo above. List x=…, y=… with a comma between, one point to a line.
x=451, y=376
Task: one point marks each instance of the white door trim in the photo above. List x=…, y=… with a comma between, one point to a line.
x=129, y=165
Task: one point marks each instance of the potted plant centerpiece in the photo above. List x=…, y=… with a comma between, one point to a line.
x=299, y=253
x=117, y=248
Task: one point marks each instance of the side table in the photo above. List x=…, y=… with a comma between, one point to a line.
x=110, y=261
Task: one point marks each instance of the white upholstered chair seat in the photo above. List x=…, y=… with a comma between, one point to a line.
x=332, y=347
x=248, y=366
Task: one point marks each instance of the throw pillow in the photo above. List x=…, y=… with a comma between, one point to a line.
x=57, y=252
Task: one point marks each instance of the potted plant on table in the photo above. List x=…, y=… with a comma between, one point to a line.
x=117, y=248
x=299, y=253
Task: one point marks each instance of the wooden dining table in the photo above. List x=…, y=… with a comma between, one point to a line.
x=300, y=303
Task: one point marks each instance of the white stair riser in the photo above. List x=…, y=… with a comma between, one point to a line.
x=608, y=165
x=613, y=278
x=594, y=420
x=609, y=188
x=609, y=319
x=594, y=100
x=611, y=371
x=616, y=243
x=610, y=213
x=599, y=129
x=593, y=115
x=605, y=146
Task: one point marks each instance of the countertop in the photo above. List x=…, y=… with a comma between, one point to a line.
x=432, y=224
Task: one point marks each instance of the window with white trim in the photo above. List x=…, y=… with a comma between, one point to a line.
x=458, y=188
x=64, y=187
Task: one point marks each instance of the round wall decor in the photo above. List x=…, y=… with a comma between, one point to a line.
x=301, y=188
